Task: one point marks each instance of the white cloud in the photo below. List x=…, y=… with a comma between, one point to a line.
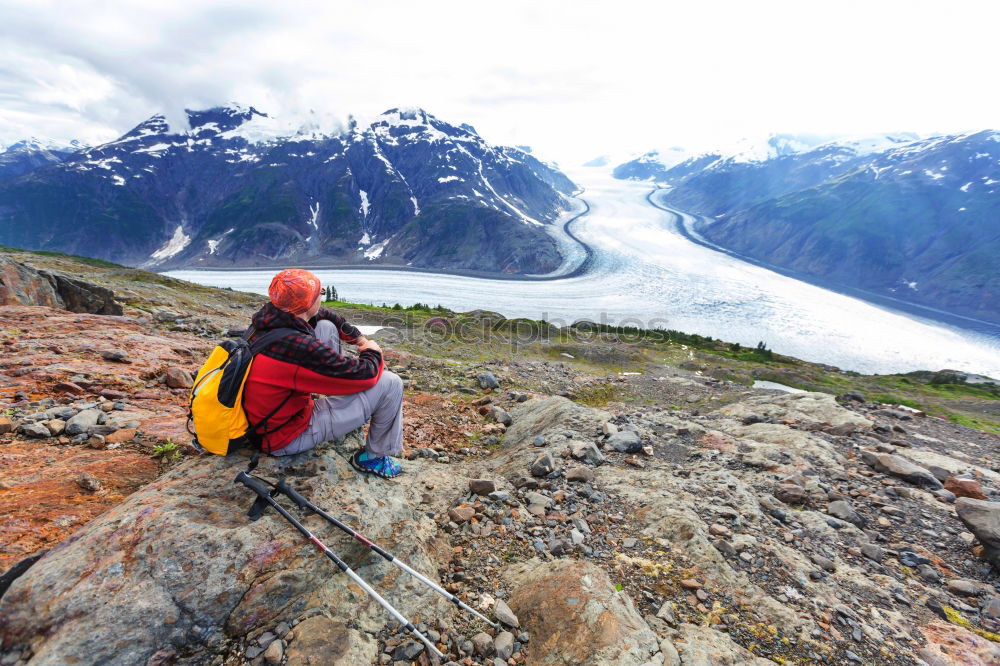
x=572, y=79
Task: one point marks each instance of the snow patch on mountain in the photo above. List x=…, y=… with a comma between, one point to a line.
x=174, y=246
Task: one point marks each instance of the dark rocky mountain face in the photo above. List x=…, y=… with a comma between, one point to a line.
x=917, y=221
x=237, y=191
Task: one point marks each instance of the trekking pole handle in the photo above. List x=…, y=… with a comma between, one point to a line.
x=288, y=491
x=253, y=484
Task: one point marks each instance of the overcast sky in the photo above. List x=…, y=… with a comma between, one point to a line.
x=572, y=79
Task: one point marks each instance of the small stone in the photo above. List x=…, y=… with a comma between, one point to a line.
x=724, y=547
x=120, y=436
x=487, y=380
x=462, y=514
x=115, y=355
x=690, y=584
x=539, y=440
x=929, y=573
x=719, y=530
x=35, y=430
x=586, y=451
x=179, y=378
x=629, y=542
x=873, y=552
x=503, y=645
x=625, y=441
x=843, y=510
x=68, y=387
x=580, y=474
x=824, y=563
x=991, y=608
x=965, y=588
x=500, y=415
x=964, y=487
x=83, y=421
x=666, y=613
x=56, y=427
x=88, y=481
x=482, y=486
x=96, y=442
x=505, y=615
x=482, y=644
x=789, y=493
x=543, y=465
x=6, y=425
x=910, y=559
x=276, y=651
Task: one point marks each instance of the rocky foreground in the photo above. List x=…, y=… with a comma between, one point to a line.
x=776, y=528
x=655, y=516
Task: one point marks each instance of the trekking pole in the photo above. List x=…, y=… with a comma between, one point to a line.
x=265, y=494
x=303, y=503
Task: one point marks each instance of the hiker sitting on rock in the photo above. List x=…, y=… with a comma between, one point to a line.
x=286, y=373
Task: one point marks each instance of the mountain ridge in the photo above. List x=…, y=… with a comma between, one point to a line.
x=915, y=221
x=240, y=189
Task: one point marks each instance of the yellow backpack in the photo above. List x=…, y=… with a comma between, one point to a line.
x=215, y=410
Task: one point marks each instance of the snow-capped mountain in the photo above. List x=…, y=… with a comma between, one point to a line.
x=30, y=154
x=669, y=166
x=914, y=219
x=240, y=188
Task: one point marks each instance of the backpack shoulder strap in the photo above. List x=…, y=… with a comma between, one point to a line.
x=265, y=339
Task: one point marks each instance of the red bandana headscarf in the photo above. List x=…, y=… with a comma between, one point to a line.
x=294, y=290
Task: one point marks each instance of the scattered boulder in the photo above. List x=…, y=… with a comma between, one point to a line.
x=983, y=519
x=34, y=430
x=115, y=355
x=902, y=468
x=462, y=514
x=873, y=552
x=482, y=486
x=56, y=427
x=178, y=378
x=505, y=615
x=482, y=643
x=965, y=487
x=625, y=441
x=321, y=640
x=586, y=451
x=268, y=574
x=83, y=421
x=487, y=380
x=576, y=616
x=789, y=493
x=503, y=645
x=580, y=474
x=6, y=425
x=543, y=465
x=541, y=416
x=500, y=415
x=962, y=587
x=843, y=510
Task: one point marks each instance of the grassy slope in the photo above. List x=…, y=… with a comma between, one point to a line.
x=481, y=336
x=441, y=333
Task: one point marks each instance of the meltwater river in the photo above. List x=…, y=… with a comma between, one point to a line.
x=645, y=273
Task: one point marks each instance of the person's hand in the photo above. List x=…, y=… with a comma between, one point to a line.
x=360, y=340
x=368, y=344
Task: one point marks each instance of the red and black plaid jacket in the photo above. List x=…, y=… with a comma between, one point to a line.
x=301, y=365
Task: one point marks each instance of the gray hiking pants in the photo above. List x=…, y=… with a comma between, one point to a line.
x=336, y=415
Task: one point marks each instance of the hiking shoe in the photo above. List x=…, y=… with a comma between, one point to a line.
x=382, y=466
